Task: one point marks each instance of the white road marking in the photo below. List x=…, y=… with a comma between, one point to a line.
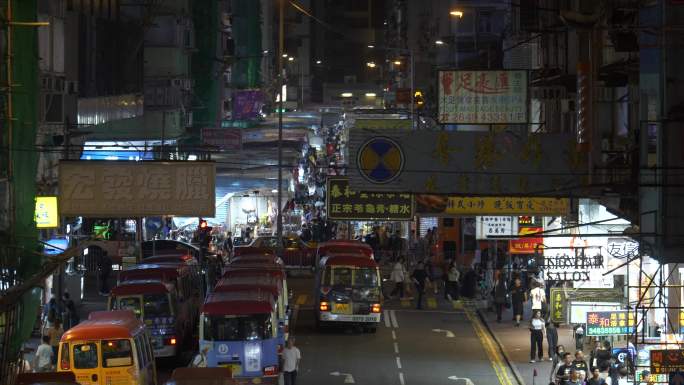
x=465, y=381
x=401, y=378
x=395, y=324
x=399, y=362
x=396, y=348
x=449, y=334
x=386, y=317
x=394, y=335
x=348, y=378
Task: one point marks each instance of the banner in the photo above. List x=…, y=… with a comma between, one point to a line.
x=346, y=204
x=482, y=97
x=667, y=361
x=223, y=138
x=459, y=205
x=527, y=245
x=247, y=104
x=136, y=189
x=47, y=215
x=464, y=163
x=490, y=227
x=610, y=323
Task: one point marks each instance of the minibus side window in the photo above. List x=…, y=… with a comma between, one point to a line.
x=116, y=353
x=85, y=356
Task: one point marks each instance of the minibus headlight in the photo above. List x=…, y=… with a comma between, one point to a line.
x=324, y=306
x=375, y=308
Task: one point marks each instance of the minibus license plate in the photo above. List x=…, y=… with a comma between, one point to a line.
x=342, y=308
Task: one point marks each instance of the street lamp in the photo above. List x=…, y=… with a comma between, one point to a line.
x=319, y=62
x=397, y=62
x=370, y=64
x=408, y=51
x=290, y=58
x=456, y=13
x=439, y=42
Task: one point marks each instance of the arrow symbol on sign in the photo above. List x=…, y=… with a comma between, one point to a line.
x=348, y=378
x=448, y=333
x=465, y=381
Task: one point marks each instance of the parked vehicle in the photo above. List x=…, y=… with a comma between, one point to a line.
x=111, y=347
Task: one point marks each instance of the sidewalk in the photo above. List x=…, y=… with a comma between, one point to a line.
x=515, y=342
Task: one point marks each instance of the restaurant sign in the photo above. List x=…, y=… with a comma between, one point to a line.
x=610, y=323
x=482, y=97
x=345, y=204
x=667, y=361
x=464, y=205
x=526, y=245
x=491, y=227
x=136, y=189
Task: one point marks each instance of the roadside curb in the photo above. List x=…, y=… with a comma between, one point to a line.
x=514, y=369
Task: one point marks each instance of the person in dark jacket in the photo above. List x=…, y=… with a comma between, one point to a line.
x=420, y=279
x=518, y=298
x=552, y=339
x=500, y=294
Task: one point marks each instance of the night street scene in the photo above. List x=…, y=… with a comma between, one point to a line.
x=322, y=192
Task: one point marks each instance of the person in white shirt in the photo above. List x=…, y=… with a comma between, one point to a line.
x=398, y=276
x=537, y=328
x=42, y=362
x=538, y=298
x=291, y=358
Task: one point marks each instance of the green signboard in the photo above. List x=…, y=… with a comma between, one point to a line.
x=610, y=323
x=343, y=203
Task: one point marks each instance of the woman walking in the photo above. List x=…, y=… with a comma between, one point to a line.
x=536, y=336
x=398, y=276
x=500, y=294
x=453, y=275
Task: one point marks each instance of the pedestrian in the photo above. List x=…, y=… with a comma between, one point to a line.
x=105, y=269
x=602, y=355
x=559, y=352
x=420, y=280
x=398, y=276
x=580, y=364
x=500, y=293
x=563, y=372
x=575, y=378
x=291, y=358
x=619, y=377
x=396, y=244
x=71, y=317
x=536, y=336
x=42, y=361
x=453, y=276
x=596, y=378
x=552, y=339
x=55, y=334
x=538, y=297
x=518, y=298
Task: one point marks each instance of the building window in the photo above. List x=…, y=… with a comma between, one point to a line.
x=484, y=22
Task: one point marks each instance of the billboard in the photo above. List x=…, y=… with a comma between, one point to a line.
x=47, y=215
x=463, y=205
x=482, y=97
x=464, y=163
x=490, y=227
x=343, y=203
x=526, y=245
x=247, y=104
x=223, y=138
x=136, y=189
x=610, y=323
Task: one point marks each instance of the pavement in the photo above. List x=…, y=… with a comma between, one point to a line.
x=515, y=344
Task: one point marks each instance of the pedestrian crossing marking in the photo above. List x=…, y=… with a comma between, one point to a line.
x=405, y=303
x=432, y=303
x=301, y=299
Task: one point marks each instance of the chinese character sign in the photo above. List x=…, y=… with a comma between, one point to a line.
x=610, y=323
x=526, y=245
x=137, y=189
x=463, y=205
x=667, y=361
x=492, y=227
x=482, y=97
x=46, y=213
x=346, y=204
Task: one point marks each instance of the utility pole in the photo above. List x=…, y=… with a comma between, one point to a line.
x=281, y=51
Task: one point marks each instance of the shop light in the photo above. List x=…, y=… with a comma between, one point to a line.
x=318, y=62
x=274, y=191
x=346, y=95
x=371, y=46
x=290, y=58
x=439, y=42
x=371, y=64
x=397, y=62
x=370, y=94
x=192, y=157
x=284, y=55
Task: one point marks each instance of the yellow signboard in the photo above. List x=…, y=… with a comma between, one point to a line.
x=460, y=205
x=47, y=215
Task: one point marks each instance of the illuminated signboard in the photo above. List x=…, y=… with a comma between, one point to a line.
x=610, y=323
x=667, y=361
x=46, y=214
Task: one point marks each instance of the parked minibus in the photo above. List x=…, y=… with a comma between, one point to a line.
x=111, y=347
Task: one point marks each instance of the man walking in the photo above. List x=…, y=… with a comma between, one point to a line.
x=105, y=269
x=291, y=358
x=420, y=279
